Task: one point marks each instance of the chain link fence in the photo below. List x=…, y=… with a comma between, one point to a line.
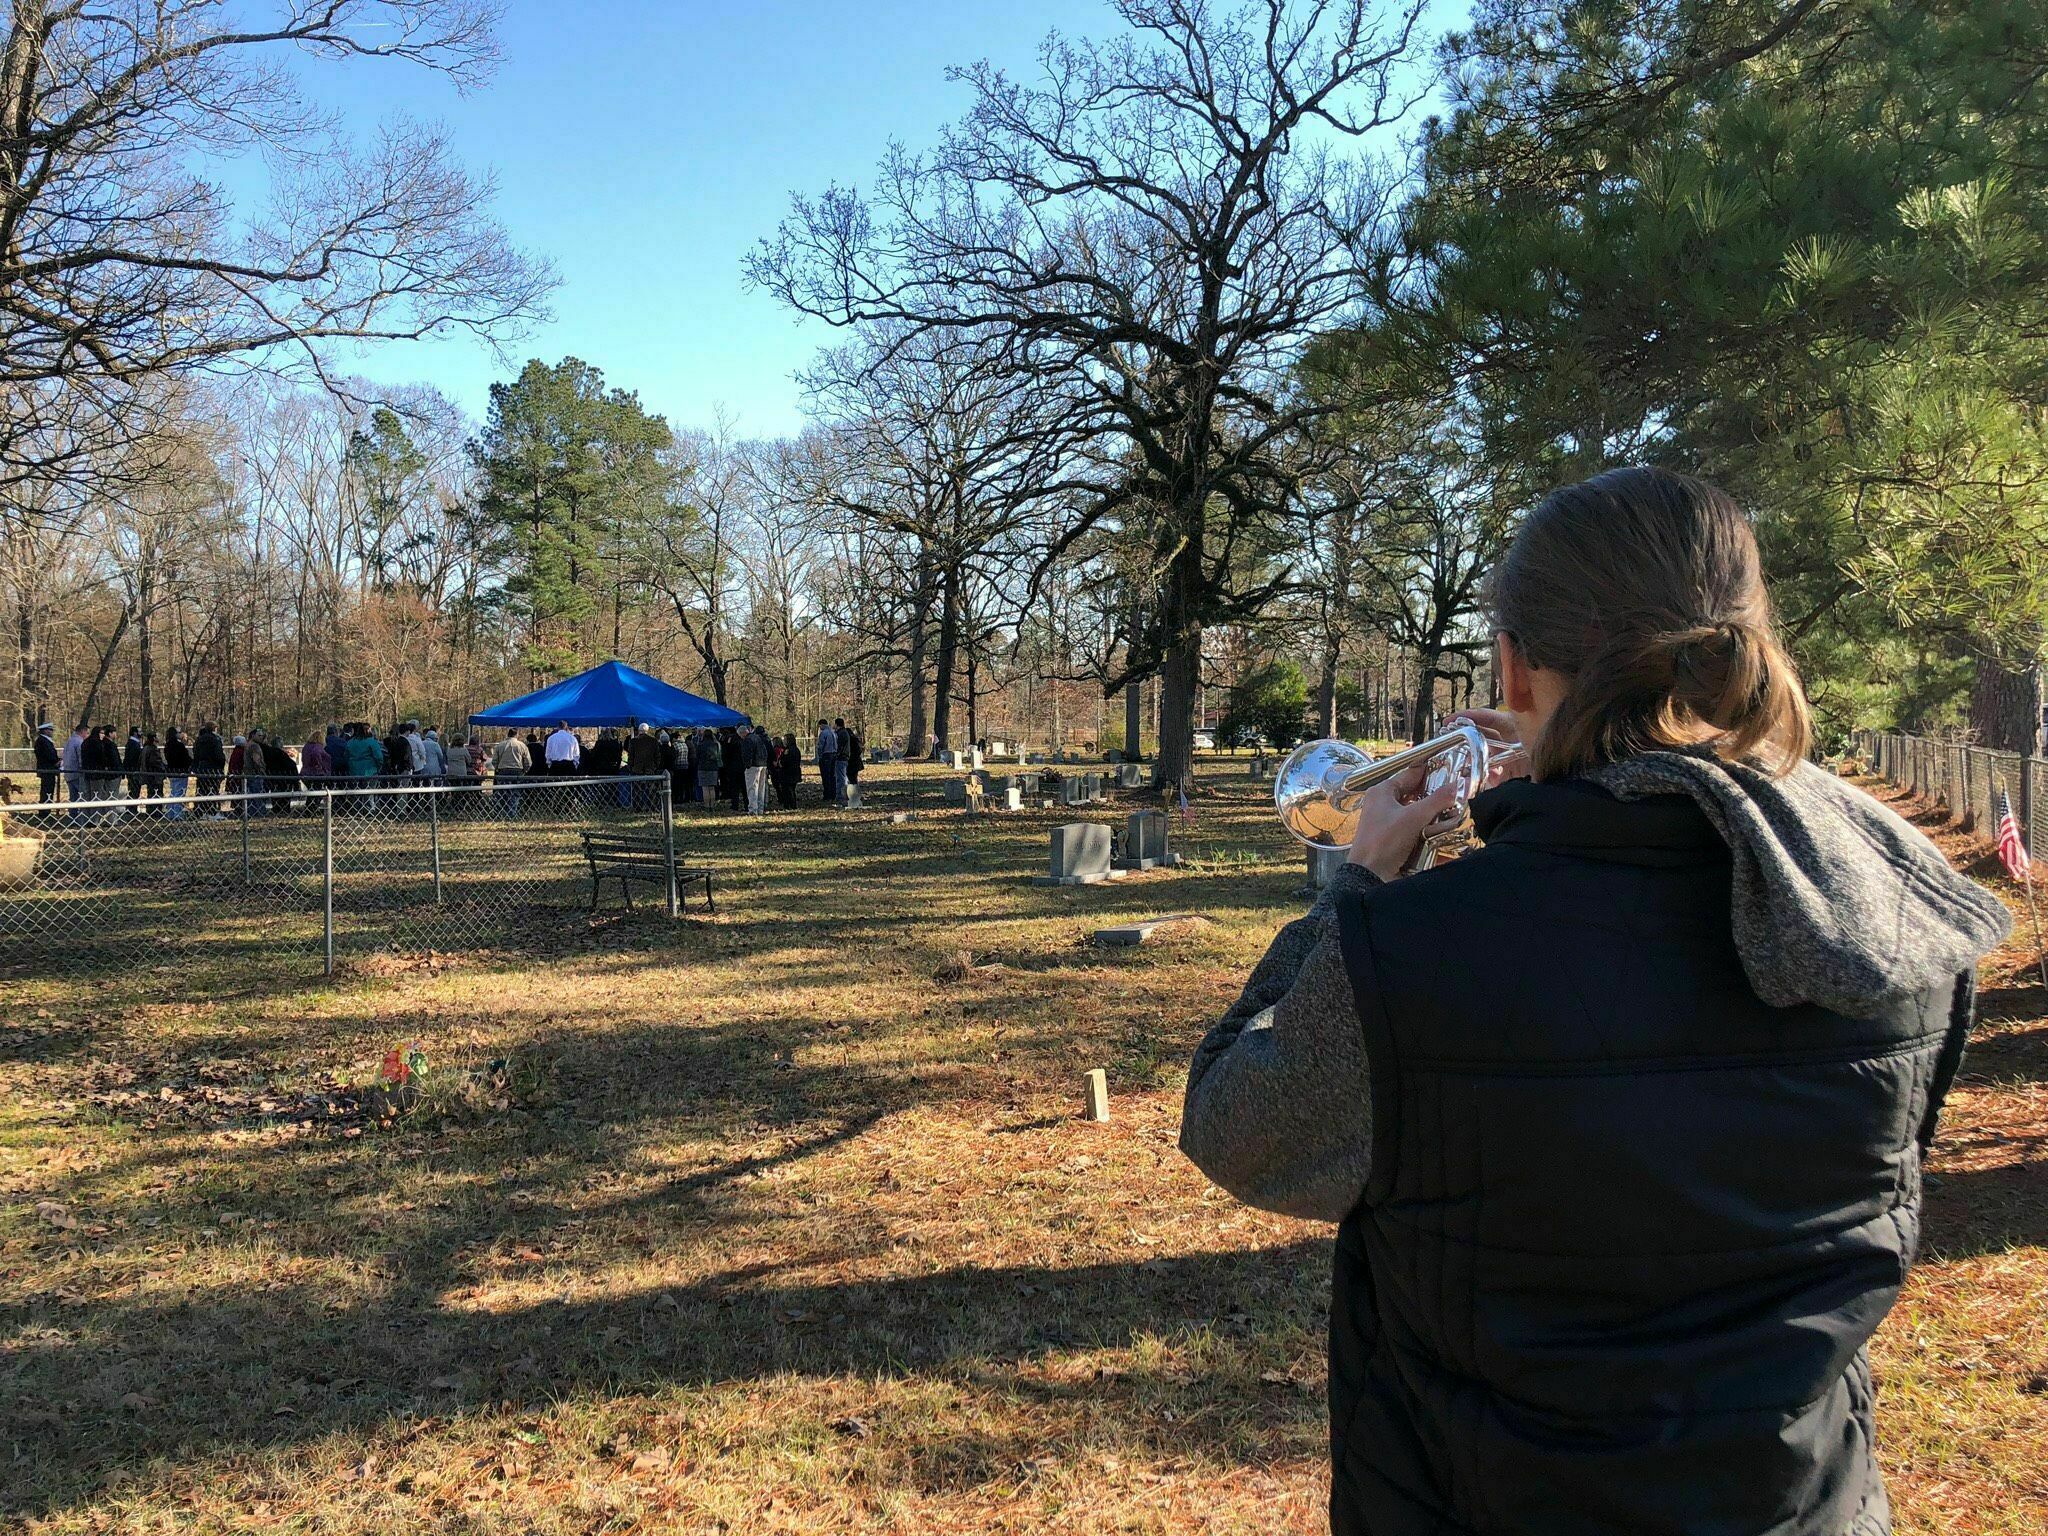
x=1966, y=779
x=303, y=877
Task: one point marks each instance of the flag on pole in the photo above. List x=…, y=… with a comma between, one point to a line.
x=1186, y=811
x=2012, y=847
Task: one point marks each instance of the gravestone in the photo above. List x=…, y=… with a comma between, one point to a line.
x=852, y=796
x=1093, y=781
x=1034, y=757
x=1130, y=776
x=1144, y=841
x=1073, y=791
x=996, y=749
x=1323, y=863
x=1009, y=797
x=1028, y=782
x=974, y=757
x=956, y=791
x=1080, y=855
x=1096, y=1096
x=1112, y=756
x=1126, y=934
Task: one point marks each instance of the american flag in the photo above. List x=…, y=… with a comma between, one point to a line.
x=2012, y=847
x=1187, y=812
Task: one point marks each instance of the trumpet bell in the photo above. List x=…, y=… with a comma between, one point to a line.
x=1302, y=792
x=1320, y=789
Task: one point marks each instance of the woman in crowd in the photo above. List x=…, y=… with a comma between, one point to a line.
x=178, y=769
x=855, y=749
x=788, y=771
x=710, y=758
x=154, y=770
x=1623, y=1113
x=732, y=770
x=316, y=767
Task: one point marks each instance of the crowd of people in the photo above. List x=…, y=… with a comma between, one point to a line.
x=737, y=766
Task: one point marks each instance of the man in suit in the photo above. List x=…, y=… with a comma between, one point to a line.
x=48, y=762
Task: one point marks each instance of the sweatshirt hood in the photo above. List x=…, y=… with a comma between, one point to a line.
x=1837, y=900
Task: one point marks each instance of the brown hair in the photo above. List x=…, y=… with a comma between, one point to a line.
x=1644, y=589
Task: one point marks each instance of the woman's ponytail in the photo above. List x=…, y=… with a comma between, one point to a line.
x=1645, y=590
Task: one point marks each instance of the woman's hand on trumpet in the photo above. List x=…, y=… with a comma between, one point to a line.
x=1496, y=725
x=1393, y=818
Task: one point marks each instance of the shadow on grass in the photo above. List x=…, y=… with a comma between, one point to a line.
x=271, y=1368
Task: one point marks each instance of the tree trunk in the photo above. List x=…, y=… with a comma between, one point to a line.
x=1180, y=675
x=915, y=743
x=947, y=659
x=1421, y=715
x=145, y=662
x=973, y=701
x=1134, y=712
x=1177, y=709
x=27, y=673
x=106, y=662
x=2005, y=707
x=1326, y=692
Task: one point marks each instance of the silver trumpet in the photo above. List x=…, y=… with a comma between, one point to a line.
x=1320, y=789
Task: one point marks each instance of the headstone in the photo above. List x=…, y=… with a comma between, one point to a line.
x=1034, y=757
x=1093, y=781
x=974, y=757
x=1080, y=855
x=1073, y=791
x=1028, y=782
x=1323, y=863
x=898, y=818
x=1125, y=934
x=1011, y=798
x=852, y=796
x=996, y=749
x=1130, y=776
x=1144, y=841
x=1112, y=756
x=956, y=791
x=1097, y=1107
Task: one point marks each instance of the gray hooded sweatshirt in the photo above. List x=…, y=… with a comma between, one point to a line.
x=1836, y=900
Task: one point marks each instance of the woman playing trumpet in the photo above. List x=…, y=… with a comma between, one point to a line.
x=1622, y=1114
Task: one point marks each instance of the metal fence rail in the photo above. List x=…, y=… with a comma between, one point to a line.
x=1964, y=778
x=96, y=885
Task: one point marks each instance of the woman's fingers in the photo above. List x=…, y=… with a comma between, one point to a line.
x=1438, y=802
x=1497, y=723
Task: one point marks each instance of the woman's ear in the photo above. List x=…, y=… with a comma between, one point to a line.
x=1517, y=693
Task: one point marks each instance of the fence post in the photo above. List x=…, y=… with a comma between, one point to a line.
x=668, y=845
x=327, y=877
x=434, y=814
x=2026, y=808
x=244, y=804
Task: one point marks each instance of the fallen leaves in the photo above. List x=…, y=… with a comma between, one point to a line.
x=56, y=1214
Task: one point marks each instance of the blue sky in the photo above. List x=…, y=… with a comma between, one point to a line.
x=645, y=146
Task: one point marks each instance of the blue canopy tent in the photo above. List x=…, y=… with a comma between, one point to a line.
x=610, y=693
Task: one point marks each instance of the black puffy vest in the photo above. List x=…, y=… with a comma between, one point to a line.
x=1628, y=1228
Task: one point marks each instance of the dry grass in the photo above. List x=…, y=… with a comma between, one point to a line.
x=778, y=1221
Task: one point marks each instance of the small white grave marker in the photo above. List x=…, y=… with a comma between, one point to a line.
x=1098, y=1095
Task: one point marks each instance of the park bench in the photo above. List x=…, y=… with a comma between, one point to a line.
x=624, y=857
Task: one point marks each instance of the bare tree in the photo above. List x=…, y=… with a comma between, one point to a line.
x=938, y=442
x=121, y=261
x=1162, y=219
